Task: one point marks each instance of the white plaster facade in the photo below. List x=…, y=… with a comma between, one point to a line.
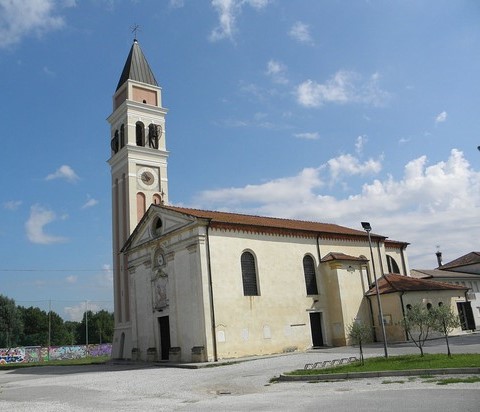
x=190, y=272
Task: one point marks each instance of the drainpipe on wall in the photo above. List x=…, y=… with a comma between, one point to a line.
x=372, y=319
x=210, y=289
x=318, y=249
x=403, y=261
x=380, y=258
x=403, y=312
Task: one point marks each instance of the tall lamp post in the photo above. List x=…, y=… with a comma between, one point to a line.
x=366, y=226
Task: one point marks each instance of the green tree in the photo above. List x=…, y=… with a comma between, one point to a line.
x=103, y=321
x=360, y=333
x=71, y=328
x=35, y=326
x=59, y=335
x=100, y=327
x=418, y=323
x=445, y=322
x=11, y=325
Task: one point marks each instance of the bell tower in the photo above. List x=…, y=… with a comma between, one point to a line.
x=138, y=165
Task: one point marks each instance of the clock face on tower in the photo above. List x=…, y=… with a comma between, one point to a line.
x=147, y=178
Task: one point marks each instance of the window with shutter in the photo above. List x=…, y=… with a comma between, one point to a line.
x=310, y=277
x=249, y=274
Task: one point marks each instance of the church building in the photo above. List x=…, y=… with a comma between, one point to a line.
x=195, y=285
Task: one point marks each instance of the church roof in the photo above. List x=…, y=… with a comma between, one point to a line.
x=264, y=224
x=137, y=68
x=392, y=283
x=441, y=274
x=471, y=258
x=342, y=256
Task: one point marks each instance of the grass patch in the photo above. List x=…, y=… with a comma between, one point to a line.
x=399, y=363
x=470, y=379
x=66, y=362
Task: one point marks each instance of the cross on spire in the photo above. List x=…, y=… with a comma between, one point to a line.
x=135, y=29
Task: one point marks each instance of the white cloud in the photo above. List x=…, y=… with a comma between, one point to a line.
x=48, y=72
x=441, y=117
x=71, y=279
x=360, y=143
x=277, y=71
x=228, y=11
x=21, y=18
x=90, y=203
x=343, y=87
x=349, y=165
x=176, y=4
x=12, y=204
x=301, y=32
x=63, y=172
x=39, y=218
x=307, y=135
x=298, y=187
x=105, y=278
x=77, y=312
x=429, y=205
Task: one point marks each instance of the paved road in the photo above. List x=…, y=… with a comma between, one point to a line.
x=238, y=387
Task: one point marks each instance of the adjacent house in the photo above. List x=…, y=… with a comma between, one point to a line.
x=463, y=271
x=399, y=293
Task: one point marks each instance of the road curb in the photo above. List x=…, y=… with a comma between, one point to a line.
x=380, y=374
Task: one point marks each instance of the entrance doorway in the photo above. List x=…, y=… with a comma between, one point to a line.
x=164, y=326
x=466, y=315
x=122, y=344
x=316, y=326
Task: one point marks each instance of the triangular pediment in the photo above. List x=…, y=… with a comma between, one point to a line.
x=157, y=222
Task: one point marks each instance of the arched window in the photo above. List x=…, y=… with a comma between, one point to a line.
x=429, y=306
x=153, y=135
x=140, y=134
x=141, y=205
x=249, y=274
x=392, y=265
x=409, y=307
x=114, y=142
x=157, y=200
x=122, y=136
x=310, y=276
x=157, y=226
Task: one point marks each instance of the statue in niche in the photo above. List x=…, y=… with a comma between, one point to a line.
x=159, y=291
x=154, y=134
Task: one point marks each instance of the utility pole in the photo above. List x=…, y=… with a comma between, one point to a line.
x=86, y=325
x=49, y=327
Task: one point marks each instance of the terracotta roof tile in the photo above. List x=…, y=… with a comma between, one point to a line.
x=468, y=259
x=391, y=283
x=251, y=221
x=342, y=256
x=441, y=274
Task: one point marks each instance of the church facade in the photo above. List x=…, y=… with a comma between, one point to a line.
x=194, y=285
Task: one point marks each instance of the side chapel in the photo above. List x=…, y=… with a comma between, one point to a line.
x=196, y=285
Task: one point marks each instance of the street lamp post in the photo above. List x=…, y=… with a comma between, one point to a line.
x=366, y=226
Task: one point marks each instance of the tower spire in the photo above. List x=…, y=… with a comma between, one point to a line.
x=137, y=68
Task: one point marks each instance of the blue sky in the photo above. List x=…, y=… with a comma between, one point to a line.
x=336, y=111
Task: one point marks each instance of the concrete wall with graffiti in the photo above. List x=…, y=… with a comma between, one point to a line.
x=26, y=354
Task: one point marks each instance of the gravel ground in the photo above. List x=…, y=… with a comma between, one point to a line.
x=240, y=386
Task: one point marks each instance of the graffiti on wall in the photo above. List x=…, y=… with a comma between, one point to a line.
x=41, y=354
x=13, y=355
